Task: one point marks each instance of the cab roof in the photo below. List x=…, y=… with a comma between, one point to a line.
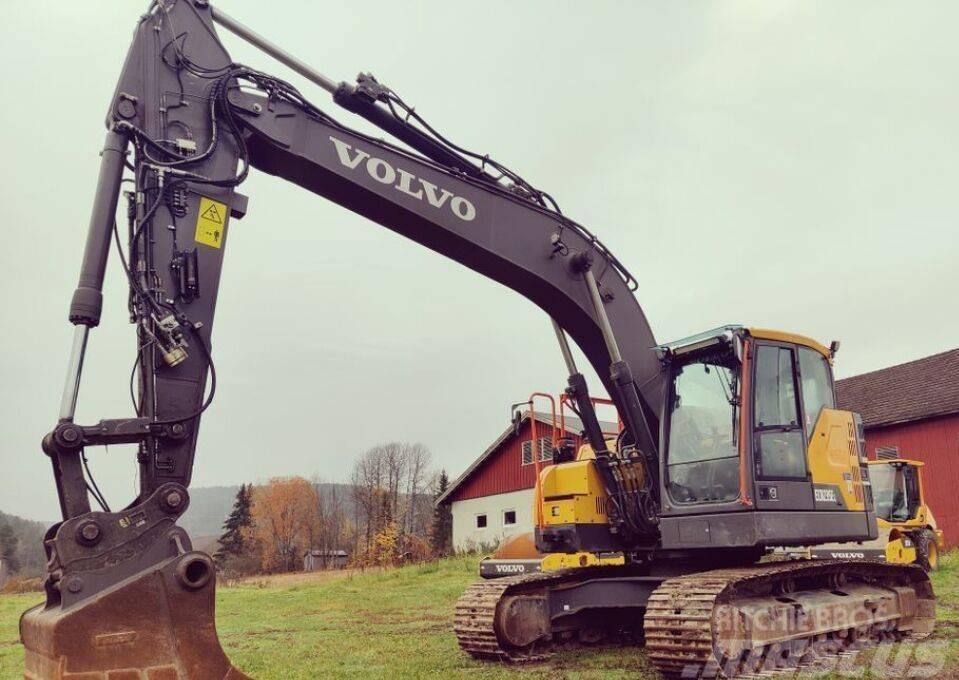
x=783, y=336
x=726, y=333
x=897, y=461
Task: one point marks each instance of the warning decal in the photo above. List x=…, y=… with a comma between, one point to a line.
x=211, y=223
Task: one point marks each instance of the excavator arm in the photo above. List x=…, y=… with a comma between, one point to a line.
x=191, y=117
x=185, y=126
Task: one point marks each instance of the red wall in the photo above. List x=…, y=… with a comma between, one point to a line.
x=504, y=471
x=936, y=443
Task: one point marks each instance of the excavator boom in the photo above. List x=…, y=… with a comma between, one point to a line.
x=186, y=199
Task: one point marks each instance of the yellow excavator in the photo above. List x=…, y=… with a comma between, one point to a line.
x=730, y=440
x=753, y=454
x=908, y=533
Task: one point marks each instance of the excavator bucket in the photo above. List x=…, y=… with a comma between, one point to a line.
x=155, y=625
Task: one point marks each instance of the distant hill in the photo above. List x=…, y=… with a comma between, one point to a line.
x=30, y=553
x=210, y=506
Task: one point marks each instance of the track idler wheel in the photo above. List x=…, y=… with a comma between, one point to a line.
x=156, y=625
x=522, y=620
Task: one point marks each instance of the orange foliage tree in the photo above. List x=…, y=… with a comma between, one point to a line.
x=286, y=520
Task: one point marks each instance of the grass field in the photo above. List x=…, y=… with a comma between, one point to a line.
x=396, y=624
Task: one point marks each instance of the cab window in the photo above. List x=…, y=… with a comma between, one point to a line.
x=781, y=451
x=816, y=386
x=702, y=454
x=896, y=492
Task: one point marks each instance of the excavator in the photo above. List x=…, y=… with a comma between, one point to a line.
x=730, y=440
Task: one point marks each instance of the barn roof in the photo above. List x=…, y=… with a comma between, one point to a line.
x=573, y=425
x=924, y=388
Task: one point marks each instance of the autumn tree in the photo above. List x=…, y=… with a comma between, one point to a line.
x=285, y=519
x=367, y=487
x=418, y=502
x=391, y=480
x=335, y=525
x=329, y=529
x=384, y=551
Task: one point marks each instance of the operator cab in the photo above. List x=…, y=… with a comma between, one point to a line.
x=753, y=454
x=749, y=424
x=895, y=486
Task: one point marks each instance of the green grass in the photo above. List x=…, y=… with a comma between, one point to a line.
x=390, y=624
x=397, y=624
x=11, y=653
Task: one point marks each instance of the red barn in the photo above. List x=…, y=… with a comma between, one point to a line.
x=493, y=498
x=912, y=411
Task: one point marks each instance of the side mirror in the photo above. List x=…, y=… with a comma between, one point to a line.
x=833, y=347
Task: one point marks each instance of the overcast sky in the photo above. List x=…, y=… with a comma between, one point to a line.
x=782, y=164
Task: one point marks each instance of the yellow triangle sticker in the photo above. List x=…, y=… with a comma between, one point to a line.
x=212, y=214
x=211, y=223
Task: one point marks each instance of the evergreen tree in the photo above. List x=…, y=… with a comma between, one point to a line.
x=8, y=547
x=441, y=533
x=233, y=541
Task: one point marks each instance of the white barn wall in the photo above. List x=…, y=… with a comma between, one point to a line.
x=465, y=533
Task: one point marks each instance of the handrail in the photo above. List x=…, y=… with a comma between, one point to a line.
x=534, y=450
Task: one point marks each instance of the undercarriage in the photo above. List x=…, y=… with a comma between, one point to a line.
x=720, y=623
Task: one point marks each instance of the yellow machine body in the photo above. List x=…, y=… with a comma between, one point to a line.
x=923, y=517
x=901, y=546
x=914, y=539
x=900, y=550
x=557, y=561
x=573, y=493
x=833, y=457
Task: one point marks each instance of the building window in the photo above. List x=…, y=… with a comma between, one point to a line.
x=481, y=521
x=509, y=518
x=545, y=446
x=887, y=452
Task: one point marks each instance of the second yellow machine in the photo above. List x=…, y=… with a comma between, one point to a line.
x=908, y=533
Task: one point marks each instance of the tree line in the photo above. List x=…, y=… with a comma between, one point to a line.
x=388, y=518
x=21, y=546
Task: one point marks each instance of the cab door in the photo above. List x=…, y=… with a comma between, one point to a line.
x=783, y=480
